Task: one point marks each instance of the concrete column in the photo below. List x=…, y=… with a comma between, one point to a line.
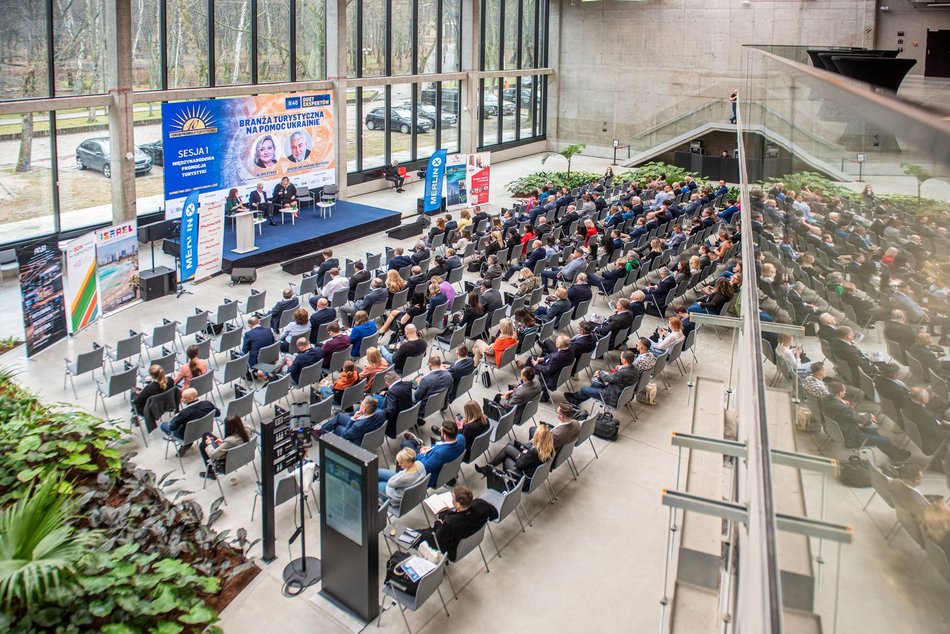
x=468, y=114
x=337, y=60
x=118, y=43
x=554, y=60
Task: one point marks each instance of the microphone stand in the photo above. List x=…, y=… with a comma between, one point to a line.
x=304, y=571
x=181, y=287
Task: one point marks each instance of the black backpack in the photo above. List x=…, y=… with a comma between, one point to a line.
x=856, y=472
x=606, y=426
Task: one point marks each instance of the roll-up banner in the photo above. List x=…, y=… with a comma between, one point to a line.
x=188, y=262
x=456, y=187
x=117, y=256
x=82, y=285
x=41, y=286
x=210, y=236
x=435, y=174
x=479, y=178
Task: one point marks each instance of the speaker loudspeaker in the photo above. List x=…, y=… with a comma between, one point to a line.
x=240, y=275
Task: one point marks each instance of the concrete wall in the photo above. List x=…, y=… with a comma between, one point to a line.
x=901, y=15
x=636, y=64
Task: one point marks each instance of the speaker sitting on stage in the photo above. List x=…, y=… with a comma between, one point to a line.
x=260, y=202
x=285, y=194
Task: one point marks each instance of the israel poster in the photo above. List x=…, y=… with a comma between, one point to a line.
x=218, y=144
x=82, y=288
x=479, y=178
x=117, y=255
x=456, y=186
x=41, y=285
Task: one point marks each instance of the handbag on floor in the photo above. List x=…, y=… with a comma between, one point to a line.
x=856, y=472
x=606, y=426
x=486, y=378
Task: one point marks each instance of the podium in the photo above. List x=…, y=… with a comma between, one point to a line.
x=245, y=232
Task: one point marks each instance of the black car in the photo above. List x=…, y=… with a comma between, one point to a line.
x=510, y=93
x=450, y=99
x=154, y=150
x=399, y=119
x=94, y=154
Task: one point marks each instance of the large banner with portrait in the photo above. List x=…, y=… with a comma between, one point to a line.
x=220, y=144
x=41, y=285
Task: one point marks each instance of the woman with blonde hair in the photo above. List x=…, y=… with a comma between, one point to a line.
x=394, y=283
x=159, y=383
x=669, y=337
x=505, y=338
x=393, y=484
x=465, y=219
x=935, y=523
x=527, y=282
x=521, y=459
x=496, y=244
x=375, y=363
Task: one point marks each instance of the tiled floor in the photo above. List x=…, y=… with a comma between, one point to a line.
x=594, y=561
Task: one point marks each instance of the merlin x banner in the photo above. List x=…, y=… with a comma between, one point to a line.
x=435, y=175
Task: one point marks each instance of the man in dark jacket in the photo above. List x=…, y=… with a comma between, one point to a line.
x=607, y=386
x=288, y=302
x=329, y=262
x=620, y=320
x=359, y=276
x=490, y=300
x=466, y=518
x=437, y=380
x=323, y=314
x=192, y=409
x=551, y=365
x=307, y=355
x=536, y=255
x=656, y=294
x=398, y=398
x=856, y=428
x=420, y=253
x=354, y=427
x=933, y=430
x=580, y=290
x=255, y=338
x=583, y=341
x=462, y=367
x=399, y=260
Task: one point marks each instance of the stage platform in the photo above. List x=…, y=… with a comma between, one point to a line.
x=308, y=234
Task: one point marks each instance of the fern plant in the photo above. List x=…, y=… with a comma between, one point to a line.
x=38, y=547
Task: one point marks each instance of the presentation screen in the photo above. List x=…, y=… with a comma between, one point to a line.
x=219, y=144
x=344, y=496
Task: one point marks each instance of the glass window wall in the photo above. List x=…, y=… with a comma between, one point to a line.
x=23, y=50
x=273, y=40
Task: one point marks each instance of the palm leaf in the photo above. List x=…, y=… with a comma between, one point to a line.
x=37, y=545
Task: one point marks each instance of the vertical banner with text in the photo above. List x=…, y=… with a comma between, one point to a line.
x=82, y=288
x=435, y=174
x=117, y=255
x=210, y=237
x=479, y=178
x=41, y=285
x=188, y=259
x=456, y=188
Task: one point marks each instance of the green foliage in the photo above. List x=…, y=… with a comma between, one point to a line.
x=651, y=171
x=37, y=545
x=37, y=441
x=126, y=590
x=567, y=153
x=815, y=183
x=523, y=186
x=128, y=560
x=915, y=205
x=917, y=172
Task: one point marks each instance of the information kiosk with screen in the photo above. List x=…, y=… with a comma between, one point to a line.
x=349, y=530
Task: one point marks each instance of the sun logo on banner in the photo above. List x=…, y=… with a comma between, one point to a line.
x=192, y=121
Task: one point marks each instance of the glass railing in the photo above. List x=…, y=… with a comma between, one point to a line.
x=816, y=555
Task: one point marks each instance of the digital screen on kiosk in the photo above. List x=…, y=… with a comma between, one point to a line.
x=344, y=495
